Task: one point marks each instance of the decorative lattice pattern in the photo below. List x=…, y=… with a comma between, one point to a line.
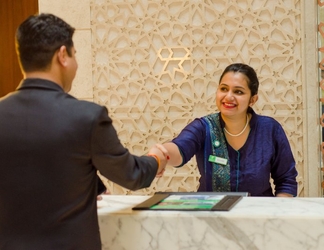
x=321, y=78
x=156, y=66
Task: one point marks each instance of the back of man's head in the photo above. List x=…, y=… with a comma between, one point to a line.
x=38, y=38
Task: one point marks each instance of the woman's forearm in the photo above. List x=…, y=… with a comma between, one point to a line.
x=175, y=158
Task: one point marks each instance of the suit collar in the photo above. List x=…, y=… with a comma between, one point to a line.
x=38, y=83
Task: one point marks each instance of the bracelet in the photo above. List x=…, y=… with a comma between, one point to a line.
x=156, y=158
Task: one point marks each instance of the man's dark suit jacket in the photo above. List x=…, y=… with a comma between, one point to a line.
x=51, y=146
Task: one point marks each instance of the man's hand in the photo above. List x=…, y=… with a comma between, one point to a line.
x=99, y=197
x=159, y=152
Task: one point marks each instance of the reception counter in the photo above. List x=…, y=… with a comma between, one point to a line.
x=253, y=223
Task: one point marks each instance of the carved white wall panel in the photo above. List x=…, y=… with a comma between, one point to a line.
x=156, y=66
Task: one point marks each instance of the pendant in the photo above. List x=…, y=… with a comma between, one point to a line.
x=216, y=144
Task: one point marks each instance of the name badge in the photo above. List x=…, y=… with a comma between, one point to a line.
x=218, y=160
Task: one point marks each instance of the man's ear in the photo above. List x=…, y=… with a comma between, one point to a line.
x=62, y=55
x=253, y=100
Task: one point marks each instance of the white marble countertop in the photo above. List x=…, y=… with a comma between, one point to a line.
x=247, y=206
x=253, y=223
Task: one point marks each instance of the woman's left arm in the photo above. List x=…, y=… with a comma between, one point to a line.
x=283, y=170
x=284, y=195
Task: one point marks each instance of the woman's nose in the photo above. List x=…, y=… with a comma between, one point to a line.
x=229, y=95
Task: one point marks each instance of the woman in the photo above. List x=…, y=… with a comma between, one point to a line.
x=236, y=149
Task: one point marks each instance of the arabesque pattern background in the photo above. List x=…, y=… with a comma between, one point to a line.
x=156, y=66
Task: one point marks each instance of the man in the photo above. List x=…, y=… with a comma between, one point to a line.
x=52, y=145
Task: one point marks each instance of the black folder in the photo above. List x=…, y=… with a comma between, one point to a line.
x=191, y=201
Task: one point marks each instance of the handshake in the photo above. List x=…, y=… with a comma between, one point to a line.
x=161, y=154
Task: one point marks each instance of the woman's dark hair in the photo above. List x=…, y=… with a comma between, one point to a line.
x=249, y=72
x=38, y=38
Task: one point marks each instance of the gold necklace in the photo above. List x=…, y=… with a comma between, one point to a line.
x=247, y=122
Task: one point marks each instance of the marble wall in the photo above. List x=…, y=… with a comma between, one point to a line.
x=156, y=64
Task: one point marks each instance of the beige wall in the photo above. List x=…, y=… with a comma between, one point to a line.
x=155, y=65
x=76, y=13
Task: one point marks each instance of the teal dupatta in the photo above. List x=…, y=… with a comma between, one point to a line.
x=219, y=158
